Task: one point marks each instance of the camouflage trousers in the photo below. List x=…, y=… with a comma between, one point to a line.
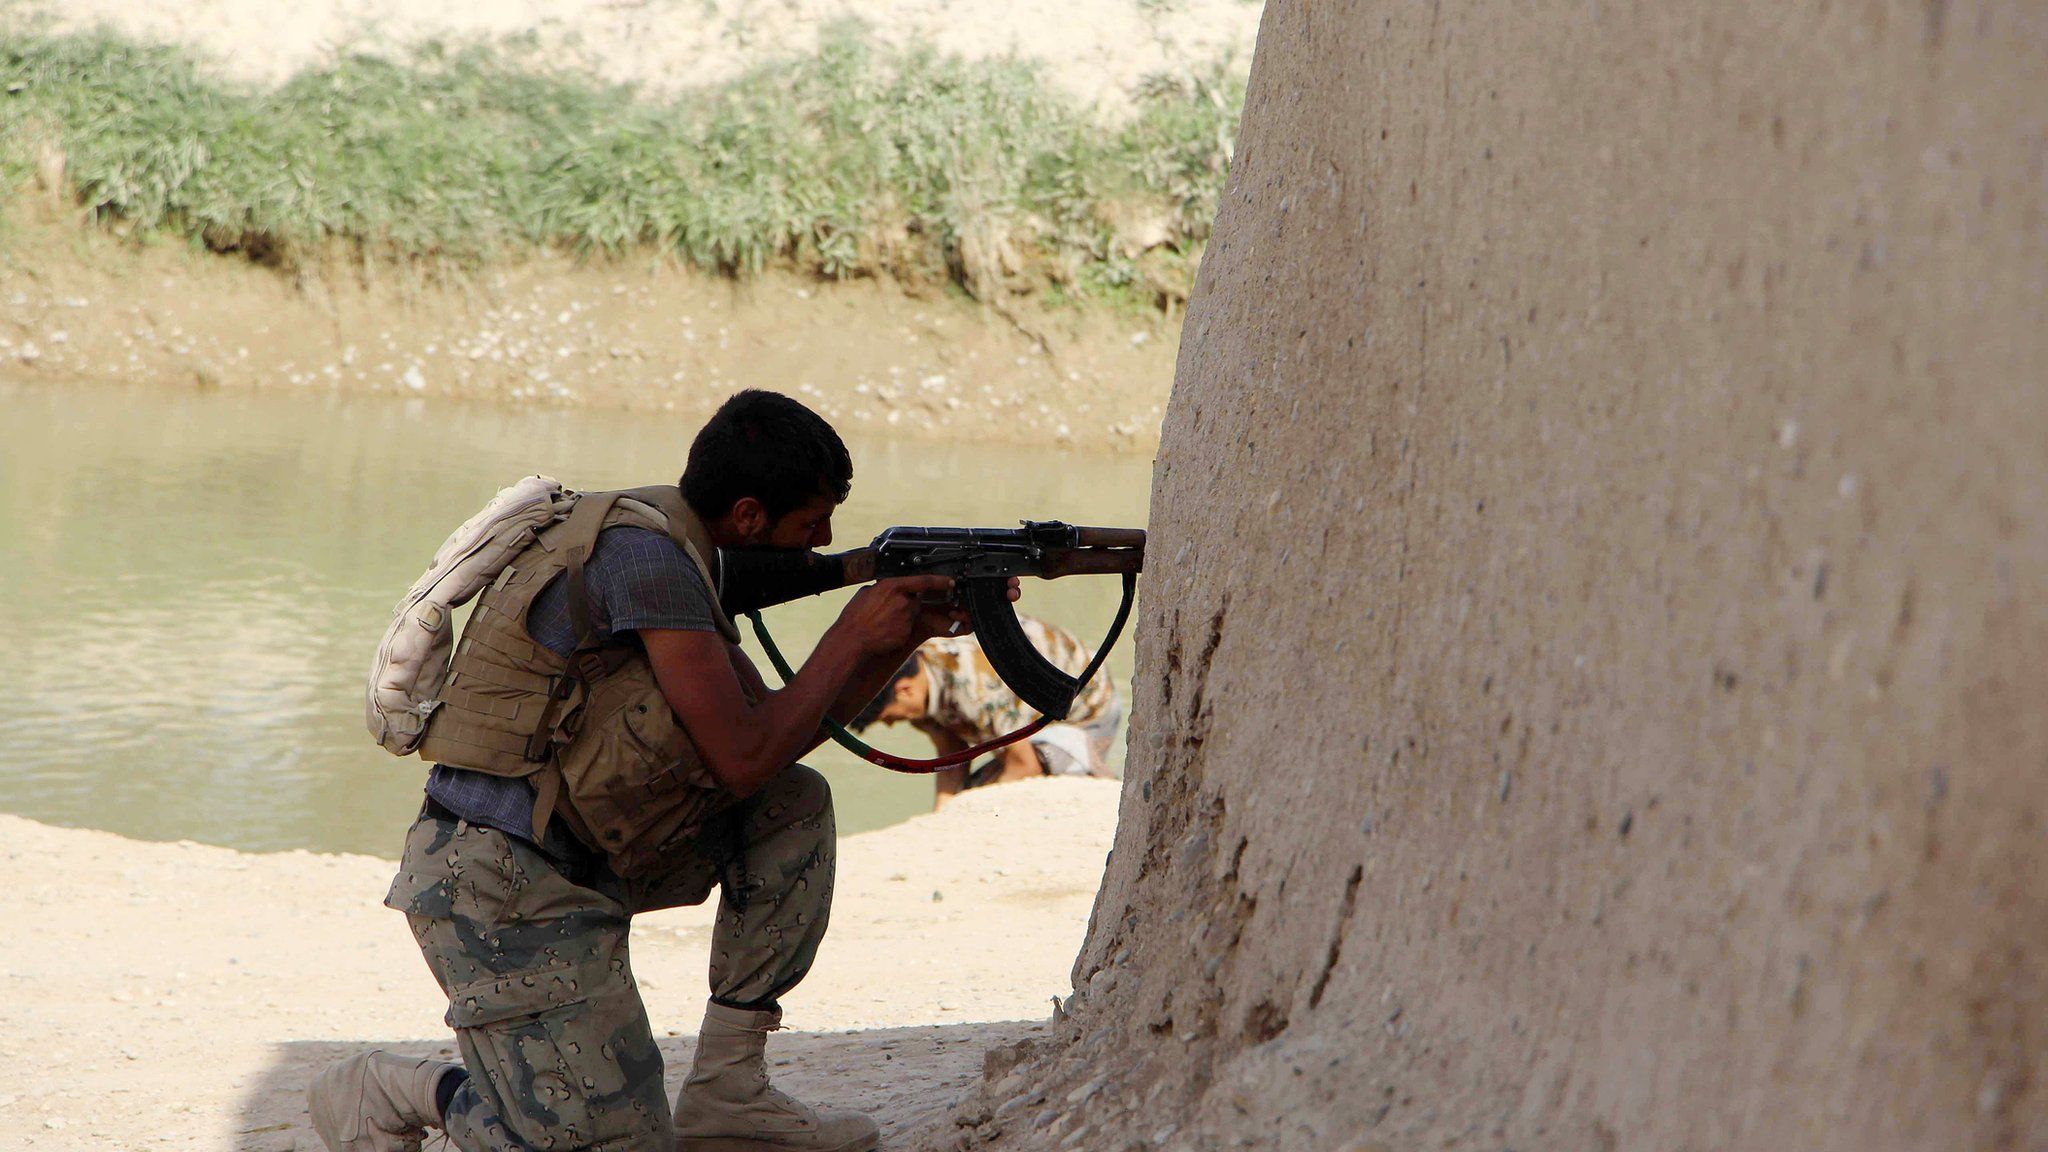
x=530, y=947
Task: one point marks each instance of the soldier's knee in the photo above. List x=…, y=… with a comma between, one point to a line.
x=809, y=794
x=797, y=802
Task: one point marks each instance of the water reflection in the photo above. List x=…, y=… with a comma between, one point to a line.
x=194, y=582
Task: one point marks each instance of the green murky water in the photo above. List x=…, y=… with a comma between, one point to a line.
x=192, y=583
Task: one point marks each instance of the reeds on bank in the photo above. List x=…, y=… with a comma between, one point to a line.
x=855, y=160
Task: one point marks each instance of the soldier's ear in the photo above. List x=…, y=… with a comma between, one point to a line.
x=750, y=519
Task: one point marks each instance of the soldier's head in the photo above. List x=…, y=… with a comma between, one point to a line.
x=903, y=699
x=767, y=472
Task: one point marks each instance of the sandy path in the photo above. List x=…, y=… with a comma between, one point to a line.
x=180, y=995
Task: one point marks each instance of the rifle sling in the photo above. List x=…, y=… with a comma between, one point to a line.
x=872, y=755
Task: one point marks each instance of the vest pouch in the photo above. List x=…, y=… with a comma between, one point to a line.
x=631, y=779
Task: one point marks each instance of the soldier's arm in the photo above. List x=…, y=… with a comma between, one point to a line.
x=743, y=667
x=870, y=678
x=746, y=742
x=946, y=782
x=1019, y=762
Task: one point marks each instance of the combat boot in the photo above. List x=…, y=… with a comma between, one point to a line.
x=727, y=1104
x=376, y=1102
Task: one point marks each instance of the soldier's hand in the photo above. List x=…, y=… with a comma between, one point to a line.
x=891, y=615
x=948, y=619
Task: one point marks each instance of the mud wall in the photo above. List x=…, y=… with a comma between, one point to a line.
x=1595, y=659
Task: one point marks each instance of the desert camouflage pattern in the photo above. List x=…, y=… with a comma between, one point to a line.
x=530, y=947
x=968, y=699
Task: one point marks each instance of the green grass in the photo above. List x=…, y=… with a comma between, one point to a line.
x=859, y=160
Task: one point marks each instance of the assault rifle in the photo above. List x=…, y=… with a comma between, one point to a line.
x=981, y=562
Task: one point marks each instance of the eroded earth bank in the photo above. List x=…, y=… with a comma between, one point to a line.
x=641, y=334
x=1593, y=662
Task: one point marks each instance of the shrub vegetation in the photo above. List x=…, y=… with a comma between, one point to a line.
x=857, y=160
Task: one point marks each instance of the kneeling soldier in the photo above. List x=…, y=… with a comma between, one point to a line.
x=602, y=748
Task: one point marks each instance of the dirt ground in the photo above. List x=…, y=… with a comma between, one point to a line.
x=181, y=995
x=644, y=335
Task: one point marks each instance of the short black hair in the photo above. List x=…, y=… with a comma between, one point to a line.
x=768, y=446
x=873, y=711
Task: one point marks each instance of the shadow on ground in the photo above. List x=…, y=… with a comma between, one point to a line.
x=905, y=1077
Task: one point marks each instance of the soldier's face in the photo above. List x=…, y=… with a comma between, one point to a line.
x=805, y=527
x=906, y=701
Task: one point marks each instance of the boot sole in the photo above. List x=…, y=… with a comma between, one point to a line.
x=747, y=1144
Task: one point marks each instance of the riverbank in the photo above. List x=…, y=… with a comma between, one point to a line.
x=646, y=335
x=1097, y=53
x=180, y=996
x=858, y=160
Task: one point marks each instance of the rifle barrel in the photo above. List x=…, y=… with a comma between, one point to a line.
x=1111, y=538
x=758, y=578
x=1094, y=562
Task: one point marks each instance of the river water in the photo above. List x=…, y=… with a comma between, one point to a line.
x=192, y=584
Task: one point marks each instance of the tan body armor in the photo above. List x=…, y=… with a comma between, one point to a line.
x=592, y=730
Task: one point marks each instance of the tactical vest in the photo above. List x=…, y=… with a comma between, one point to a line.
x=591, y=730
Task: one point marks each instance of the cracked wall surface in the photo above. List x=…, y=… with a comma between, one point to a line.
x=1594, y=663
